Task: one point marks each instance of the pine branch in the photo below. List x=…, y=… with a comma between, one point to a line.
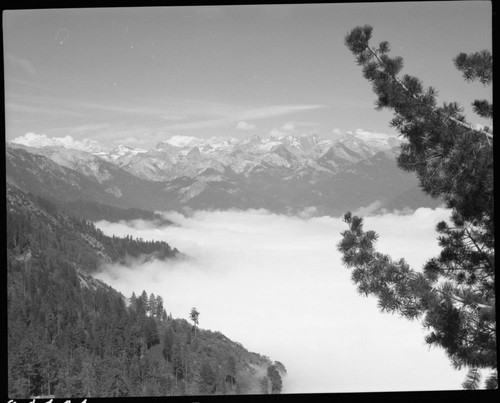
x=492, y=381
x=480, y=250
x=433, y=111
x=472, y=379
x=431, y=158
x=461, y=300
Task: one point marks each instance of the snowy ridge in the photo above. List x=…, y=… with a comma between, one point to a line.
x=282, y=174
x=188, y=156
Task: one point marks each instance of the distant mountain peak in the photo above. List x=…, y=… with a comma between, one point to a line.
x=122, y=150
x=252, y=140
x=381, y=141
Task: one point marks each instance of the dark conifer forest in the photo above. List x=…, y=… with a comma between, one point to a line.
x=70, y=335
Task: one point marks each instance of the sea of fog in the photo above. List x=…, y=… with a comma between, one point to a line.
x=276, y=284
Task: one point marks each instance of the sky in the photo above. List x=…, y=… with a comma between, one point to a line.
x=137, y=76
x=276, y=284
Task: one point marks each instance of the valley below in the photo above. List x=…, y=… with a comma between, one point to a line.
x=276, y=284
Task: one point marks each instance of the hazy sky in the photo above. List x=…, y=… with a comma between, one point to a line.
x=276, y=284
x=137, y=76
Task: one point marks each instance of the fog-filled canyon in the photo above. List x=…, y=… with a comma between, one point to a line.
x=276, y=284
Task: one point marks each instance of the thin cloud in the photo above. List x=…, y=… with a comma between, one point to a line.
x=146, y=116
x=276, y=133
x=30, y=108
x=181, y=141
x=367, y=210
x=279, y=110
x=109, y=110
x=244, y=126
x=89, y=127
x=365, y=134
x=232, y=115
x=17, y=63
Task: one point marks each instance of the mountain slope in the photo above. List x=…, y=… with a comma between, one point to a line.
x=377, y=181
x=70, y=335
x=36, y=173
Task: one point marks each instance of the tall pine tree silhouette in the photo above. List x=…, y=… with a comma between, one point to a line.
x=193, y=315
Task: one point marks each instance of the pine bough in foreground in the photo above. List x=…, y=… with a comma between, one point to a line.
x=454, y=294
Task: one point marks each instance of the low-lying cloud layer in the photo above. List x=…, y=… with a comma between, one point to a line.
x=276, y=284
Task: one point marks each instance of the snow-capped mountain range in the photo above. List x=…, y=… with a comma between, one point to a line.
x=283, y=174
x=190, y=156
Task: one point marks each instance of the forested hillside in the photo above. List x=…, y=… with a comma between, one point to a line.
x=70, y=335
x=95, y=211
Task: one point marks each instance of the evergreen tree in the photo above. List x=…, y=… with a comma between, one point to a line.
x=454, y=295
x=275, y=379
x=231, y=372
x=133, y=301
x=151, y=308
x=142, y=303
x=151, y=332
x=207, y=379
x=168, y=343
x=159, y=310
x=116, y=385
x=193, y=315
x=177, y=360
x=88, y=377
x=264, y=385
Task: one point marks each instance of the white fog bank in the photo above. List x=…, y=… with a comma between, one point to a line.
x=276, y=284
